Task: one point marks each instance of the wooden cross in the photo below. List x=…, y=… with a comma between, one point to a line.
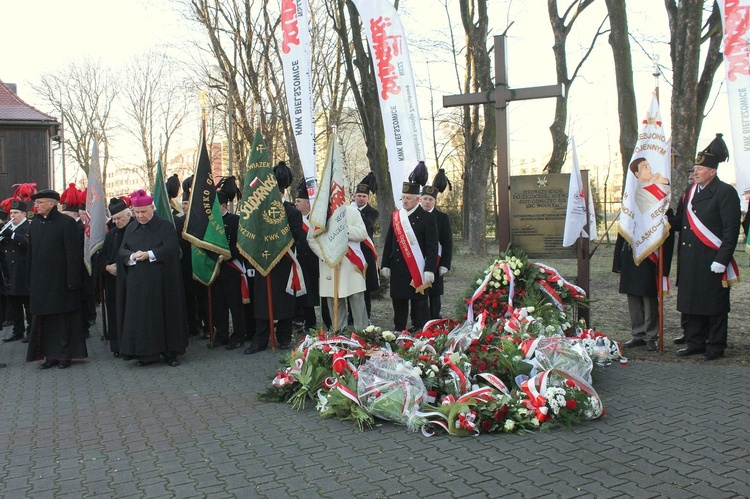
x=500, y=96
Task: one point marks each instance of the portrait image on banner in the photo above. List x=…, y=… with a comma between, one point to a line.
x=645, y=201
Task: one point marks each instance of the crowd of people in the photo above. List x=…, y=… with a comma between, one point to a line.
x=151, y=305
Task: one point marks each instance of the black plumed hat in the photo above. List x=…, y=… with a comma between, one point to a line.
x=368, y=185
x=302, y=190
x=228, y=185
x=716, y=152
x=283, y=175
x=173, y=186
x=417, y=179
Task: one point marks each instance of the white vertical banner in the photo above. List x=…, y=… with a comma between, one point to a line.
x=295, y=58
x=575, y=215
x=328, y=214
x=396, y=88
x=643, y=221
x=735, y=16
x=96, y=211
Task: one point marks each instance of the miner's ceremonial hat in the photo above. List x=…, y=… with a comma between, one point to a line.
x=716, y=152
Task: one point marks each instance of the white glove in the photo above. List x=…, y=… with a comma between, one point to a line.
x=250, y=272
x=442, y=270
x=385, y=272
x=718, y=268
x=429, y=277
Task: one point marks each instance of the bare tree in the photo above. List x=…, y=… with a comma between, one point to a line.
x=156, y=104
x=83, y=93
x=359, y=73
x=562, y=24
x=691, y=87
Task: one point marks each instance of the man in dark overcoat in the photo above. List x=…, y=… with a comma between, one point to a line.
x=709, y=224
x=283, y=302
x=309, y=262
x=226, y=290
x=638, y=282
x=151, y=318
x=122, y=218
x=15, y=248
x=396, y=261
x=55, y=261
x=370, y=218
x=445, y=248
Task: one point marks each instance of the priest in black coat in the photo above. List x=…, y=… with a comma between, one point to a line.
x=403, y=293
x=711, y=210
x=151, y=316
x=15, y=249
x=121, y=218
x=55, y=261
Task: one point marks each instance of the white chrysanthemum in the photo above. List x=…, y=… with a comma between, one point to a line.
x=530, y=309
x=370, y=328
x=418, y=371
x=388, y=335
x=479, y=281
x=509, y=425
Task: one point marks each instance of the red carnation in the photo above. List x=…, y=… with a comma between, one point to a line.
x=570, y=404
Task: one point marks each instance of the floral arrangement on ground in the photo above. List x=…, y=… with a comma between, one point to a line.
x=515, y=363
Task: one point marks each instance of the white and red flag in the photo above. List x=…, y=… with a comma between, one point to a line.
x=295, y=59
x=96, y=211
x=396, y=88
x=575, y=215
x=328, y=214
x=735, y=16
x=643, y=220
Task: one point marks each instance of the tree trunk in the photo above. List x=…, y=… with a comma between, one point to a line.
x=626, y=108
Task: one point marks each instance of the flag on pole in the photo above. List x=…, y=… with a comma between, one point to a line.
x=264, y=235
x=295, y=59
x=328, y=214
x=735, y=18
x=396, y=88
x=204, y=227
x=643, y=219
x=96, y=211
x=575, y=215
x=161, y=200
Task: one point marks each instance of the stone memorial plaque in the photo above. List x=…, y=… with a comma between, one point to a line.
x=537, y=205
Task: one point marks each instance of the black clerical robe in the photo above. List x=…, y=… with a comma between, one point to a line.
x=151, y=316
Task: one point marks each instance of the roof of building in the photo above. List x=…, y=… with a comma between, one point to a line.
x=13, y=108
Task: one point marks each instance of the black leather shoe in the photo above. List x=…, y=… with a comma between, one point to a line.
x=712, y=355
x=651, y=345
x=688, y=351
x=15, y=337
x=126, y=357
x=48, y=363
x=142, y=363
x=283, y=346
x=680, y=340
x=634, y=342
x=3, y=365
x=63, y=364
x=25, y=340
x=254, y=349
x=173, y=362
x=116, y=355
x=233, y=345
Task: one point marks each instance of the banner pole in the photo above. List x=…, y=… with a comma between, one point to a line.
x=336, y=298
x=210, y=319
x=105, y=336
x=660, y=293
x=271, y=329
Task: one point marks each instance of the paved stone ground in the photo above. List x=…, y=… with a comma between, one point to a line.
x=106, y=428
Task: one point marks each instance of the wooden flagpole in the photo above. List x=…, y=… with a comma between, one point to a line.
x=271, y=329
x=336, y=298
x=660, y=270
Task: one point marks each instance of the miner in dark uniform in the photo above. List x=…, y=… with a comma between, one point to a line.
x=369, y=217
x=15, y=248
x=398, y=251
x=226, y=290
x=709, y=224
x=283, y=302
x=122, y=218
x=55, y=262
x=309, y=262
x=445, y=240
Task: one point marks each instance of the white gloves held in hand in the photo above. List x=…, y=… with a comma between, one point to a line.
x=385, y=272
x=718, y=268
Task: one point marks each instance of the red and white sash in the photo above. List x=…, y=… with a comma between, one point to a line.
x=409, y=246
x=295, y=285
x=244, y=284
x=731, y=275
x=354, y=254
